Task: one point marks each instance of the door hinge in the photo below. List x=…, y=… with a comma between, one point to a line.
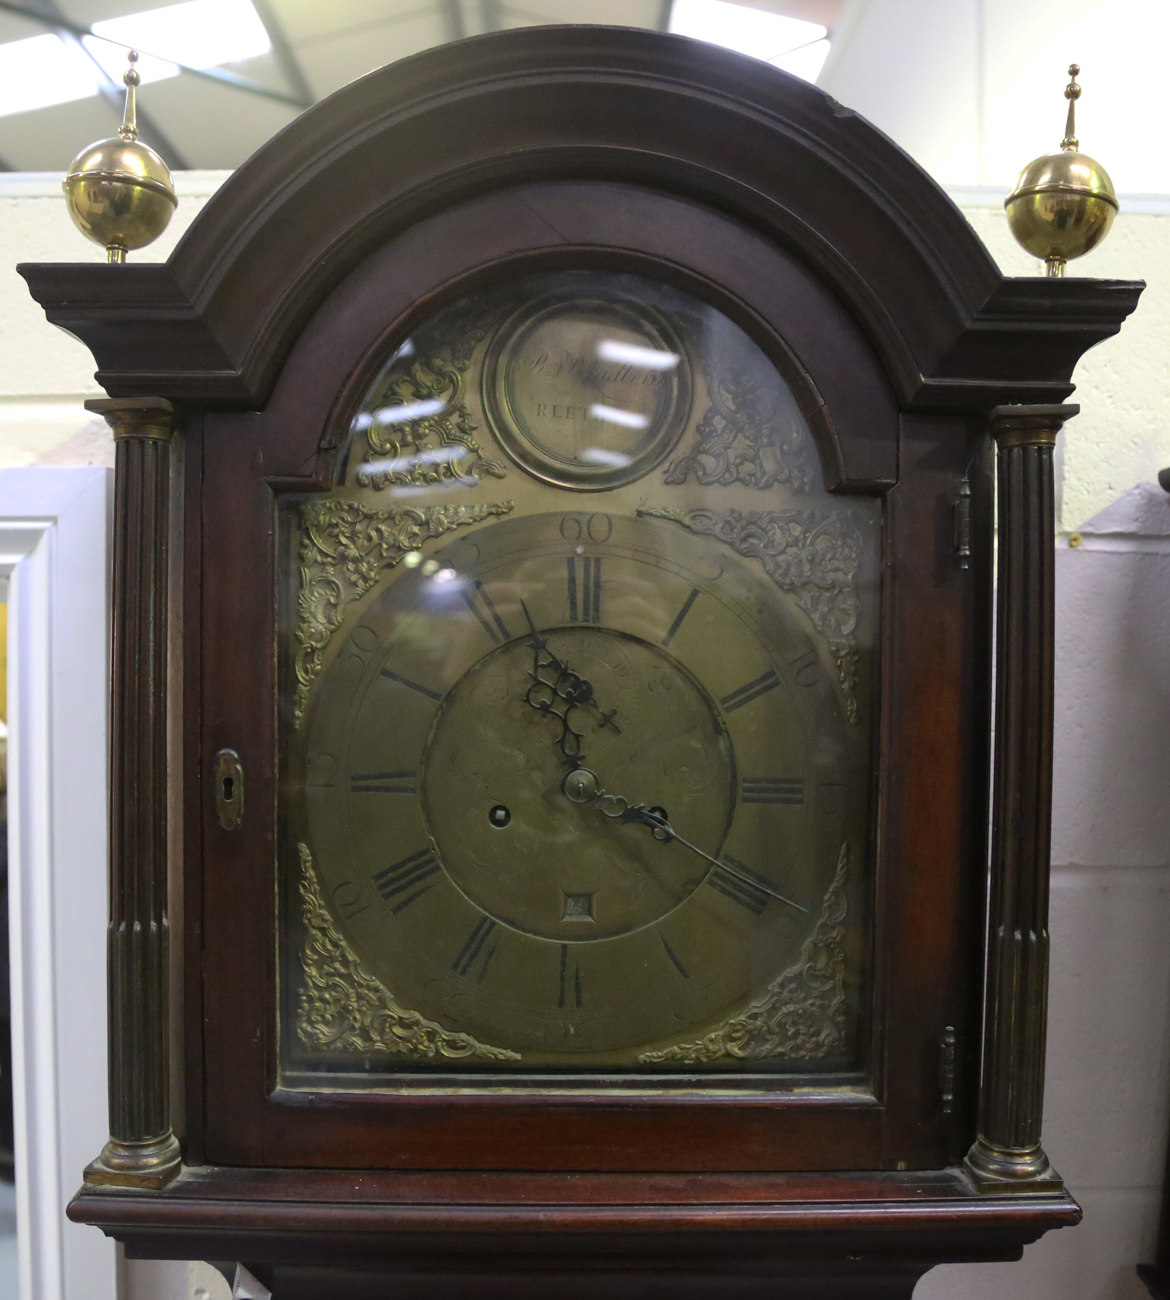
x=229, y=789
x=946, y=1069
x=963, y=523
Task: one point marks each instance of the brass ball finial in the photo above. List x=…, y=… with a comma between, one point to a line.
x=1063, y=203
x=119, y=191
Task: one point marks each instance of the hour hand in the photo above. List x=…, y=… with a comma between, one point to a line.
x=555, y=689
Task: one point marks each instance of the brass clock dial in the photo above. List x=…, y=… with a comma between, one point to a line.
x=579, y=791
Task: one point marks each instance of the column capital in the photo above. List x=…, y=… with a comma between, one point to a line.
x=1029, y=426
x=136, y=417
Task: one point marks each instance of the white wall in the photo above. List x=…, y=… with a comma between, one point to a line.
x=1111, y=898
x=974, y=88
x=1108, y=1091
x=45, y=376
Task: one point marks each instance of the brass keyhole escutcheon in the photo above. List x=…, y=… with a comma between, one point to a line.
x=229, y=789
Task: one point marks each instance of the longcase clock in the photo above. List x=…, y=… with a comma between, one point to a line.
x=553, y=694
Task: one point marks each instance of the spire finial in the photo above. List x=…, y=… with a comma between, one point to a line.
x=119, y=191
x=1063, y=203
x=129, y=128
x=1072, y=92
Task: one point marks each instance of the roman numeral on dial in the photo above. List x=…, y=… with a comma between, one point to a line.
x=414, y=686
x=584, y=582
x=406, y=880
x=673, y=956
x=773, y=789
x=479, y=602
x=736, y=888
x=682, y=613
x=570, y=984
x=470, y=952
x=752, y=691
x=384, y=783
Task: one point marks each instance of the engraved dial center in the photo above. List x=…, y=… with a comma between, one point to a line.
x=563, y=871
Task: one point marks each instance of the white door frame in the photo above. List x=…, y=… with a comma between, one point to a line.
x=54, y=530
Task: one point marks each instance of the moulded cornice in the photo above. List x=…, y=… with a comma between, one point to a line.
x=214, y=324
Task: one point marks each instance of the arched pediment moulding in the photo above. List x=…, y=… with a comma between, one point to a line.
x=214, y=324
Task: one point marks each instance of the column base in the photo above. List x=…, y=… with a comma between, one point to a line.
x=995, y=1169
x=151, y=1165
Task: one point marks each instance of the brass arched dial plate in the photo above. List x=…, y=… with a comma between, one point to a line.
x=450, y=852
x=587, y=391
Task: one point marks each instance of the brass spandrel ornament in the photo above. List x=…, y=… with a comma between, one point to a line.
x=1063, y=203
x=119, y=191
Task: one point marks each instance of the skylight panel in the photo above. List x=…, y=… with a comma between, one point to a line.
x=201, y=33
x=41, y=71
x=796, y=46
x=45, y=70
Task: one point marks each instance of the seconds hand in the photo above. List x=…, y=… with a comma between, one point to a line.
x=582, y=786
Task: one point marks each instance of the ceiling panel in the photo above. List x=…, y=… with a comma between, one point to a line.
x=49, y=139
x=213, y=126
x=333, y=44
x=617, y=13
x=333, y=58
x=15, y=28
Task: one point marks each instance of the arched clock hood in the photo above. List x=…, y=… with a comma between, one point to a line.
x=931, y=386
x=215, y=322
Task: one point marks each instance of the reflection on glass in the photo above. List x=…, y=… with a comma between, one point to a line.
x=584, y=660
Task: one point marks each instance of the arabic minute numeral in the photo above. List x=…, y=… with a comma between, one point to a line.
x=349, y=899
x=806, y=668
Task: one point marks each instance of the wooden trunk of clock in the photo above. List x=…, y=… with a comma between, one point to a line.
x=580, y=691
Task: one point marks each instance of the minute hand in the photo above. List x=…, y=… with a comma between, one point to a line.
x=645, y=817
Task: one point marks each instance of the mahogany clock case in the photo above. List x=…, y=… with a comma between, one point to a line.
x=625, y=153
x=750, y=1126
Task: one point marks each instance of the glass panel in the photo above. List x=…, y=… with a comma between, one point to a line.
x=580, y=673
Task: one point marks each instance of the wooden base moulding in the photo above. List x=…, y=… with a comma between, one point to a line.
x=576, y=1235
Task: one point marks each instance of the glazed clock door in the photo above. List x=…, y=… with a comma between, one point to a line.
x=579, y=778
x=573, y=800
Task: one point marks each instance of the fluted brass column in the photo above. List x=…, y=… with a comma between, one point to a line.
x=1007, y=1155
x=142, y=1150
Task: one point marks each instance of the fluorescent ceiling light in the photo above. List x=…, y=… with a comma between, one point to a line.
x=615, y=415
x=201, y=33
x=46, y=70
x=629, y=354
x=789, y=43
x=40, y=71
